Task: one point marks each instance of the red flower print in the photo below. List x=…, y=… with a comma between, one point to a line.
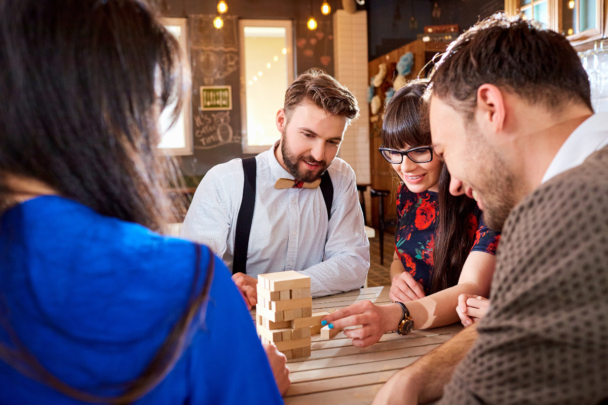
x=425, y=215
x=427, y=254
x=409, y=264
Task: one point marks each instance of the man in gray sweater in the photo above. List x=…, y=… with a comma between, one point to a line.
x=510, y=113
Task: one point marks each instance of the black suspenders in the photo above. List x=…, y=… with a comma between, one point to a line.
x=245, y=217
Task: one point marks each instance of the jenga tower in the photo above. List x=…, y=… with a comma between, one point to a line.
x=284, y=312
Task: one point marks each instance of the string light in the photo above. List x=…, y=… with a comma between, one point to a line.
x=570, y=31
x=276, y=58
x=259, y=73
x=571, y=5
x=325, y=8
x=312, y=24
x=250, y=82
x=255, y=78
x=268, y=66
x=284, y=51
x=222, y=7
x=218, y=22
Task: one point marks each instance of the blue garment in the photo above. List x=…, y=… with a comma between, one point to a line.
x=93, y=298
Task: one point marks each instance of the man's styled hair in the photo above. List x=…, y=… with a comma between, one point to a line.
x=537, y=64
x=322, y=90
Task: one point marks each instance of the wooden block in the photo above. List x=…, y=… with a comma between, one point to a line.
x=284, y=295
x=327, y=333
x=300, y=333
x=293, y=344
x=315, y=330
x=289, y=315
x=297, y=313
x=288, y=354
x=270, y=315
x=269, y=295
x=259, y=318
x=307, y=312
x=268, y=324
x=314, y=320
x=297, y=352
x=300, y=293
x=284, y=280
x=287, y=334
x=306, y=351
x=291, y=304
x=271, y=335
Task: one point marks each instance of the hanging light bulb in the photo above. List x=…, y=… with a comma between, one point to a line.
x=325, y=8
x=571, y=5
x=222, y=7
x=312, y=24
x=218, y=22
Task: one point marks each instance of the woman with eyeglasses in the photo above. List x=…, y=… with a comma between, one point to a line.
x=95, y=306
x=444, y=254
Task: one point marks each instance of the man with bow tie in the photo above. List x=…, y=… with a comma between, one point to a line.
x=293, y=207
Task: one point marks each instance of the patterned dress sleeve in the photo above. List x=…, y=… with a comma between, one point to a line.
x=486, y=240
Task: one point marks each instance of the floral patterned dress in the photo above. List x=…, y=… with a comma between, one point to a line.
x=416, y=232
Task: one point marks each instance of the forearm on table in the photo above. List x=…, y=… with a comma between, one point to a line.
x=343, y=272
x=433, y=371
x=439, y=309
x=396, y=268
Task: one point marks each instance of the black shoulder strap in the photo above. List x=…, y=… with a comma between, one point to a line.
x=327, y=188
x=243, y=222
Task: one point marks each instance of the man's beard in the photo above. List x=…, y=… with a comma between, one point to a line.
x=498, y=185
x=292, y=164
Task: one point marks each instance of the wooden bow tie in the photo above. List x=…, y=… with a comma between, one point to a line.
x=283, y=184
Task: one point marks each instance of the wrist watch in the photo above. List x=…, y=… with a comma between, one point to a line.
x=407, y=323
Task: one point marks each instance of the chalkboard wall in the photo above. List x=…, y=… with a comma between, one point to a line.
x=215, y=61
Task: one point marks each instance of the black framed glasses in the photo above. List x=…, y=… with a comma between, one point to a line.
x=422, y=154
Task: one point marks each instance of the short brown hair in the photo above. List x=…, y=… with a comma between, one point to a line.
x=536, y=64
x=324, y=91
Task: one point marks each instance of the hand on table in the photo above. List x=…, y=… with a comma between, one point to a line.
x=471, y=308
x=375, y=320
x=278, y=363
x=404, y=288
x=248, y=286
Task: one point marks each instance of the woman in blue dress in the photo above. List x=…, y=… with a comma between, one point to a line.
x=95, y=306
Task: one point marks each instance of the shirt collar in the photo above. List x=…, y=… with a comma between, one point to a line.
x=590, y=136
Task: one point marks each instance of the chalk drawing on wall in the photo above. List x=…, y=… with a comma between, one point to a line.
x=203, y=35
x=213, y=130
x=212, y=66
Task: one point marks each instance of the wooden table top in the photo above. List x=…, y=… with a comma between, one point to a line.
x=339, y=373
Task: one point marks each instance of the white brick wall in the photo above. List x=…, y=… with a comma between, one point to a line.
x=350, y=61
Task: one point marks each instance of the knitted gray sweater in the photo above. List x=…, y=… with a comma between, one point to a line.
x=545, y=338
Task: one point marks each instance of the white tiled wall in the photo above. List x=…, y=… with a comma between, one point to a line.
x=350, y=60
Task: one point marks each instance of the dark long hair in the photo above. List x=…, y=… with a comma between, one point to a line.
x=84, y=82
x=405, y=126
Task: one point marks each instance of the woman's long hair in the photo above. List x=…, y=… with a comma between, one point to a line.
x=83, y=83
x=405, y=127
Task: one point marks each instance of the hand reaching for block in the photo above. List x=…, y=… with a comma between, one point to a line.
x=247, y=285
x=278, y=363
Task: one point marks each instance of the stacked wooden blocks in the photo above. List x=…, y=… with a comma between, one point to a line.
x=284, y=312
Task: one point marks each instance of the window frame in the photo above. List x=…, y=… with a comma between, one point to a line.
x=186, y=112
x=289, y=27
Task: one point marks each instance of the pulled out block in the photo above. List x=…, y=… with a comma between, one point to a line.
x=284, y=280
x=327, y=333
x=315, y=330
x=313, y=320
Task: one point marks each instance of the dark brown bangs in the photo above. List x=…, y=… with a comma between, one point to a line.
x=403, y=127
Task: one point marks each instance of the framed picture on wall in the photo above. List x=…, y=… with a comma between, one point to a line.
x=177, y=138
x=216, y=98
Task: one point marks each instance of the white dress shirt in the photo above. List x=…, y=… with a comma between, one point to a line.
x=290, y=230
x=589, y=137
